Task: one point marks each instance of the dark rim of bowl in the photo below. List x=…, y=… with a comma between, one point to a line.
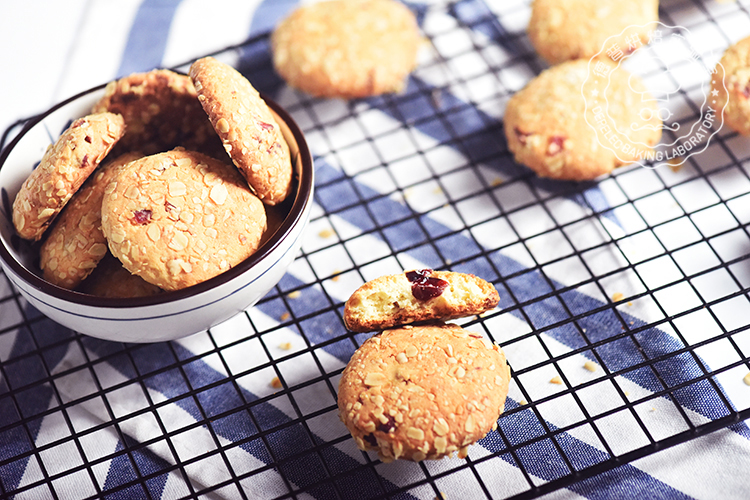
x=304, y=183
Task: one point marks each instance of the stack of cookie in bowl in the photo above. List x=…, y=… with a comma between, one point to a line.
x=169, y=203
x=188, y=164
x=421, y=388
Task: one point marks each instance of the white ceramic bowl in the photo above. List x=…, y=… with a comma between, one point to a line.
x=166, y=316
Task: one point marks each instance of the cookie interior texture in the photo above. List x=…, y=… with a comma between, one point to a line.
x=563, y=30
x=347, y=49
x=423, y=392
x=390, y=300
x=733, y=72
x=547, y=122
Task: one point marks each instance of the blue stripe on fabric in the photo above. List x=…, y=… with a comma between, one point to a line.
x=617, y=354
x=33, y=401
x=285, y=442
x=121, y=472
x=543, y=460
x=147, y=40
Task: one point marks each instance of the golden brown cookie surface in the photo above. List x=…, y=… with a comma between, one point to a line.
x=733, y=72
x=63, y=169
x=161, y=111
x=423, y=392
x=418, y=295
x=179, y=218
x=76, y=243
x=343, y=48
x=547, y=123
x=563, y=30
x=246, y=126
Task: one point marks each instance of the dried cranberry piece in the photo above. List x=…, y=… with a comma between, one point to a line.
x=265, y=126
x=423, y=286
x=746, y=91
x=84, y=161
x=555, y=145
x=168, y=206
x=141, y=217
x=388, y=426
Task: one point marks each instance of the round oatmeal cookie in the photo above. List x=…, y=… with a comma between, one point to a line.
x=161, y=111
x=733, y=72
x=562, y=30
x=63, y=169
x=76, y=244
x=417, y=295
x=347, y=49
x=247, y=128
x=546, y=122
x=110, y=279
x=423, y=392
x=179, y=218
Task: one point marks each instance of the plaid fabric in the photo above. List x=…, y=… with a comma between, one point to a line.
x=623, y=310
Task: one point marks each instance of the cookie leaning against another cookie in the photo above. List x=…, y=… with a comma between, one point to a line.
x=733, y=71
x=562, y=30
x=423, y=392
x=64, y=167
x=345, y=48
x=179, y=218
x=246, y=126
x=76, y=244
x=161, y=111
x=546, y=122
x=419, y=295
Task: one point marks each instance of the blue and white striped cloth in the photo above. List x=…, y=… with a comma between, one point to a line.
x=200, y=415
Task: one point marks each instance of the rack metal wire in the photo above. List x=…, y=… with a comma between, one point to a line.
x=425, y=177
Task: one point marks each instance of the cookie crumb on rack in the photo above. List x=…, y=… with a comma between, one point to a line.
x=590, y=366
x=276, y=383
x=747, y=379
x=556, y=380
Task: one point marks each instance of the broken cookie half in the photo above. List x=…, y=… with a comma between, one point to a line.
x=416, y=296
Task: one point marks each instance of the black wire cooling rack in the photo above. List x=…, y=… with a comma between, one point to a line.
x=425, y=177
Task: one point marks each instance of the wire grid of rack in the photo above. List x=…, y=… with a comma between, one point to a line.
x=425, y=178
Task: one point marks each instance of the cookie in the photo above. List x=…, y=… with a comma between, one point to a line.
x=347, y=49
x=63, y=169
x=161, y=111
x=419, y=295
x=563, y=30
x=179, y=218
x=247, y=128
x=546, y=122
x=110, y=279
x=423, y=392
x=76, y=244
x=734, y=71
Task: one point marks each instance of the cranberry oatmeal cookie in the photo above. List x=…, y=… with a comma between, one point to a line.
x=423, y=392
x=347, y=49
x=63, y=169
x=547, y=122
x=418, y=295
x=734, y=71
x=179, y=218
x=247, y=128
